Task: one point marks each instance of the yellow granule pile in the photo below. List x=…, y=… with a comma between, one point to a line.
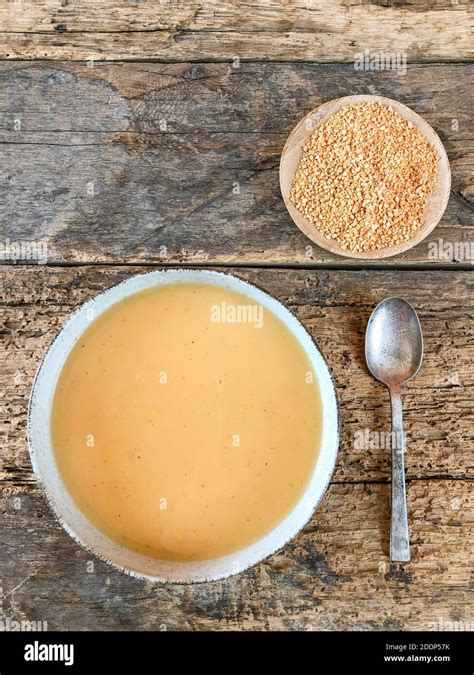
x=365, y=177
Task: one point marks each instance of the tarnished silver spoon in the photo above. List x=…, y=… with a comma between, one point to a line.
x=394, y=352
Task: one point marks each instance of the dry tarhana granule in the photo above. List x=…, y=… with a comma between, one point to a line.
x=365, y=177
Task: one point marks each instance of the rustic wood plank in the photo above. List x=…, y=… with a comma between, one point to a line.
x=179, y=163
x=335, y=306
x=112, y=162
x=222, y=30
x=335, y=575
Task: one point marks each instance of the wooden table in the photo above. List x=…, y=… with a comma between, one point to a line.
x=136, y=135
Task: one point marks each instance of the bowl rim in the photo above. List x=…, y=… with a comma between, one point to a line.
x=34, y=410
x=331, y=245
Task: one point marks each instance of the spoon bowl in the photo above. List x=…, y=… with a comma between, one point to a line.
x=394, y=342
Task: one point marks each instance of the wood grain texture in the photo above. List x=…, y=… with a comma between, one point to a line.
x=334, y=575
x=151, y=132
x=266, y=30
x=335, y=306
x=179, y=163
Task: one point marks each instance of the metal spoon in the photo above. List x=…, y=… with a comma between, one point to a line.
x=394, y=352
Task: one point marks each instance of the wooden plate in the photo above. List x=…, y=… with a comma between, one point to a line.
x=290, y=159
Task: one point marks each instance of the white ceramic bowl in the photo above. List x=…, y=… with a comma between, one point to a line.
x=76, y=523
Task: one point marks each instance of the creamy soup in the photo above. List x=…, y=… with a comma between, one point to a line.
x=186, y=422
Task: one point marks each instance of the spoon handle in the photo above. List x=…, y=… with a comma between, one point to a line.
x=399, y=537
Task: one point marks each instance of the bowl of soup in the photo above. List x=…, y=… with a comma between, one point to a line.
x=183, y=425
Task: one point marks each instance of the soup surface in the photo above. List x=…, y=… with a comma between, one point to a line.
x=186, y=421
